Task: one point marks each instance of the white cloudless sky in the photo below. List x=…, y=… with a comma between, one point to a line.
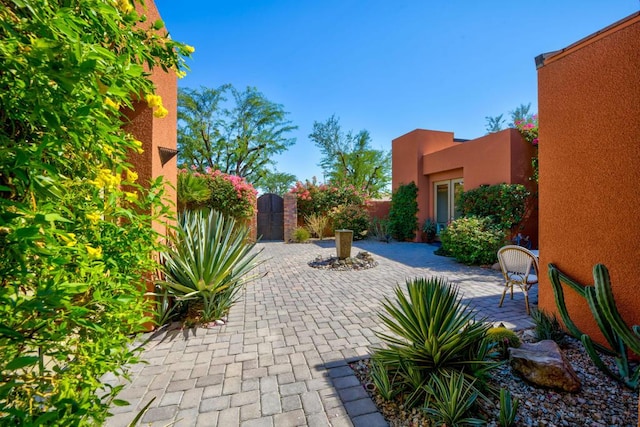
x=385, y=66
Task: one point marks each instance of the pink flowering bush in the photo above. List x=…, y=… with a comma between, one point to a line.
x=528, y=128
x=229, y=194
x=320, y=199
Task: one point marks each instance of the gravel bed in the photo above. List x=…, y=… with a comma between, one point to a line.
x=601, y=402
x=361, y=261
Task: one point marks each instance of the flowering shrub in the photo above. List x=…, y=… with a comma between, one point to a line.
x=229, y=194
x=320, y=199
x=351, y=217
x=75, y=248
x=528, y=128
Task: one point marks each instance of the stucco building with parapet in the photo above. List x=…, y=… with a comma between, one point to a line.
x=443, y=166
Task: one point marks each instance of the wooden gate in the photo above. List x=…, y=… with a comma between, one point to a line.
x=270, y=217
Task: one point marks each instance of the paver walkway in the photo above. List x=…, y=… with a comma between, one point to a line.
x=281, y=359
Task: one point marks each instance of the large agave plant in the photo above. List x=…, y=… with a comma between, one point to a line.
x=432, y=333
x=209, y=258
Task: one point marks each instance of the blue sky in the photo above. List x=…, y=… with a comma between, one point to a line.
x=385, y=66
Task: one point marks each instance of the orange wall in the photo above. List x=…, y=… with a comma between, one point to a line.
x=154, y=132
x=589, y=99
x=426, y=157
x=406, y=163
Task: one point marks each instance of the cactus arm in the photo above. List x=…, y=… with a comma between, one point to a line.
x=558, y=293
x=636, y=330
x=569, y=281
x=595, y=357
x=611, y=313
x=608, y=332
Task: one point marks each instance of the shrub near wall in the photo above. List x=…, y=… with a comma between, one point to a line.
x=473, y=240
x=328, y=200
x=503, y=204
x=74, y=247
x=403, y=214
x=230, y=195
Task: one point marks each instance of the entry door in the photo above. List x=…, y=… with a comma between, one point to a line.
x=271, y=217
x=444, y=201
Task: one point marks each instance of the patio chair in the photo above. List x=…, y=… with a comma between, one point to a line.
x=515, y=263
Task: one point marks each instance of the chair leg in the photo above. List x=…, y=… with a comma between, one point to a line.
x=511, y=291
x=504, y=293
x=526, y=301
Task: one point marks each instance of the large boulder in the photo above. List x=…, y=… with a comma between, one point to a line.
x=543, y=364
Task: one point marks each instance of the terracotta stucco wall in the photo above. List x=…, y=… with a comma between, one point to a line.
x=589, y=99
x=426, y=157
x=406, y=163
x=155, y=132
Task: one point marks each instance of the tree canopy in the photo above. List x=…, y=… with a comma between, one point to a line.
x=349, y=159
x=237, y=132
x=496, y=123
x=277, y=182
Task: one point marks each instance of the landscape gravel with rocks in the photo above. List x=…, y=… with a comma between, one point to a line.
x=601, y=402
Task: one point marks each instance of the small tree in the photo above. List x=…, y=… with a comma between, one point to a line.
x=349, y=159
x=403, y=212
x=238, y=139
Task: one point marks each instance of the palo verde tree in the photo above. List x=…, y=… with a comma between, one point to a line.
x=237, y=136
x=349, y=159
x=74, y=247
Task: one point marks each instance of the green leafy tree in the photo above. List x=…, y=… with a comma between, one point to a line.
x=349, y=159
x=521, y=113
x=494, y=124
x=232, y=131
x=277, y=182
x=74, y=247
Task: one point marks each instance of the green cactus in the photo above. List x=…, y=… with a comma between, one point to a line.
x=619, y=336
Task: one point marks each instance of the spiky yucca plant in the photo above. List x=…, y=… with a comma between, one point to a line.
x=452, y=397
x=209, y=259
x=432, y=333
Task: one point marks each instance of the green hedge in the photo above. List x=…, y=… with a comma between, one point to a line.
x=403, y=213
x=473, y=240
x=504, y=204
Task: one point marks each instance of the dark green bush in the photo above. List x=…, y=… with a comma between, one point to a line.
x=504, y=204
x=351, y=217
x=473, y=240
x=403, y=218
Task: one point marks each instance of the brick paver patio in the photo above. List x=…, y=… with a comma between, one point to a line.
x=282, y=358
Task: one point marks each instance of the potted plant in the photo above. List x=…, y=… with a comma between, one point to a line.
x=429, y=230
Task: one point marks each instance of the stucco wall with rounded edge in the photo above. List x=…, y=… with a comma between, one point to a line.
x=589, y=203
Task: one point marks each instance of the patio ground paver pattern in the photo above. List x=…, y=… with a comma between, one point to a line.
x=282, y=358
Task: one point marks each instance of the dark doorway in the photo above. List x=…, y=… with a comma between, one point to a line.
x=270, y=217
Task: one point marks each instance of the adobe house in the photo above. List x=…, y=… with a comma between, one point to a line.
x=589, y=99
x=443, y=166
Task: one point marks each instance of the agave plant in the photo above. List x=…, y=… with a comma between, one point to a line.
x=431, y=333
x=209, y=259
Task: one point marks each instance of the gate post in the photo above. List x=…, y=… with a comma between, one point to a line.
x=290, y=216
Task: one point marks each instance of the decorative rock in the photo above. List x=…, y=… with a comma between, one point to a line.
x=496, y=266
x=361, y=261
x=544, y=364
